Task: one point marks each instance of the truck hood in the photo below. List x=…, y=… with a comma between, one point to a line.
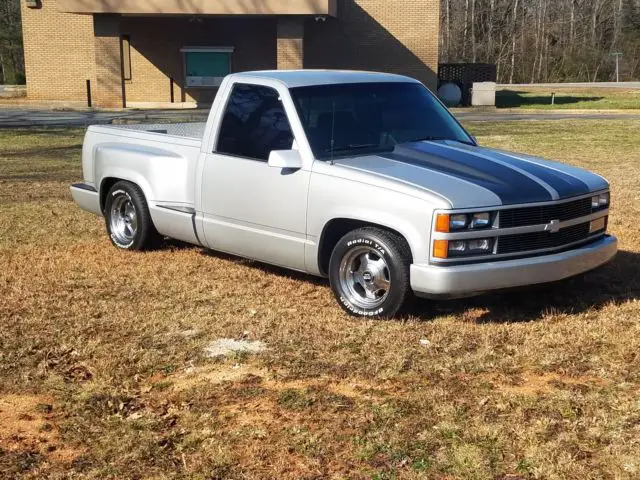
x=472, y=176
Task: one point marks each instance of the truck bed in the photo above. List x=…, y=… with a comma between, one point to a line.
x=163, y=158
x=160, y=158
x=193, y=130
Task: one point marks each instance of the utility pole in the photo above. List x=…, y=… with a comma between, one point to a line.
x=617, y=55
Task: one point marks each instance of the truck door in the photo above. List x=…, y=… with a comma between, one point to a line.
x=249, y=208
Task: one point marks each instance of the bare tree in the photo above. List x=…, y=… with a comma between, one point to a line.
x=11, y=60
x=474, y=55
x=545, y=40
x=513, y=42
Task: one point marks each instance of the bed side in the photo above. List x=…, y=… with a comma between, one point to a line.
x=163, y=165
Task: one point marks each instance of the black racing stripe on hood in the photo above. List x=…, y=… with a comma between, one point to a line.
x=508, y=184
x=565, y=184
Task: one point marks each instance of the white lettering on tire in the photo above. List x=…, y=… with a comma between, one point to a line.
x=366, y=241
x=362, y=313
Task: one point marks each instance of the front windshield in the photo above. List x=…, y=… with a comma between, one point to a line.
x=360, y=118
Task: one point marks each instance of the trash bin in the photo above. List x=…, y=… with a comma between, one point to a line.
x=464, y=75
x=483, y=94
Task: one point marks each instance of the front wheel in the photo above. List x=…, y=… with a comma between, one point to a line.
x=369, y=272
x=127, y=217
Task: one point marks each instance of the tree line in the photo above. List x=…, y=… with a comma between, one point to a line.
x=11, y=56
x=533, y=41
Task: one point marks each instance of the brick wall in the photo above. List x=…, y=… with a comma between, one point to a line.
x=290, y=43
x=395, y=36
x=58, y=53
x=62, y=50
x=156, y=58
x=108, y=63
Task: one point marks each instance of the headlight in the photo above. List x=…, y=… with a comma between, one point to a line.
x=600, y=201
x=482, y=245
x=604, y=199
x=459, y=248
x=458, y=222
x=480, y=220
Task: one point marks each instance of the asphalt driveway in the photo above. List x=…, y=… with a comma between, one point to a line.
x=17, y=116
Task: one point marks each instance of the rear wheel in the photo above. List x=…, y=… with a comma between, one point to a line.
x=369, y=272
x=127, y=218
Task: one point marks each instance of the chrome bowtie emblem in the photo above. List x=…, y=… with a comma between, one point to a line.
x=553, y=226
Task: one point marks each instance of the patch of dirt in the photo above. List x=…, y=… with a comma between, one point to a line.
x=473, y=315
x=257, y=414
x=225, y=346
x=195, y=376
x=28, y=425
x=240, y=372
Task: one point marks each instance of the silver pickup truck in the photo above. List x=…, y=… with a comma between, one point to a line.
x=364, y=178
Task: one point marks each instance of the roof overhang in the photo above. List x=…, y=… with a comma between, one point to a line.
x=201, y=7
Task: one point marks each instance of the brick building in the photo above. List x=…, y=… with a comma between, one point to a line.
x=136, y=52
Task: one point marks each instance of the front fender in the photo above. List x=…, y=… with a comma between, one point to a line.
x=343, y=199
x=413, y=234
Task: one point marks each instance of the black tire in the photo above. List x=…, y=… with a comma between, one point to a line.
x=388, y=256
x=127, y=196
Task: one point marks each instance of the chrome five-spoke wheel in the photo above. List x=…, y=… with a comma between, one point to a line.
x=369, y=272
x=364, y=277
x=123, y=219
x=127, y=218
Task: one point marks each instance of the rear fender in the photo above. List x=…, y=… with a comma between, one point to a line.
x=128, y=175
x=159, y=173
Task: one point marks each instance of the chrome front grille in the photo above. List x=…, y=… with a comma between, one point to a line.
x=542, y=240
x=523, y=231
x=521, y=217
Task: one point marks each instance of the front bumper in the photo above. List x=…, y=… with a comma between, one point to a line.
x=430, y=280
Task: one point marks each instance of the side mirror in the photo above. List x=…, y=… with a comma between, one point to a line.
x=285, y=159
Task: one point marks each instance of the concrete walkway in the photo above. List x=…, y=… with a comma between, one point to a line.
x=20, y=116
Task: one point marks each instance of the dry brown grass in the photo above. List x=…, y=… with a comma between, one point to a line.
x=539, y=383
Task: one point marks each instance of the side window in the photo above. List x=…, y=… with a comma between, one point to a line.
x=254, y=123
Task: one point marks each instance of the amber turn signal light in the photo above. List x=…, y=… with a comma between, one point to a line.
x=442, y=223
x=440, y=248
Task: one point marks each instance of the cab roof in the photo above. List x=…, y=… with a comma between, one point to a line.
x=306, y=78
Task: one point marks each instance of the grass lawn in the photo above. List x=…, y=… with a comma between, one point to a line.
x=103, y=372
x=580, y=98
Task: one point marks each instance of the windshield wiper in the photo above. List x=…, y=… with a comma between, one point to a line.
x=351, y=146
x=434, y=138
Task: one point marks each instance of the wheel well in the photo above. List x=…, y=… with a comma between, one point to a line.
x=105, y=186
x=335, y=230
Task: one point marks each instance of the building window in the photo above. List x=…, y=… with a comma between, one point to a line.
x=206, y=66
x=126, y=57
